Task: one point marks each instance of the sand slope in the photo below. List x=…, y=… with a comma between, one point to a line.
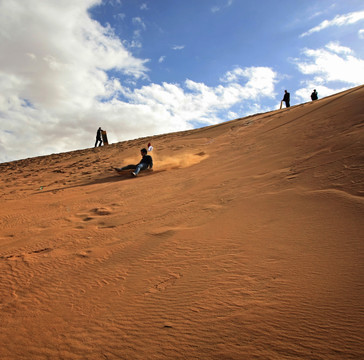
x=245, y=242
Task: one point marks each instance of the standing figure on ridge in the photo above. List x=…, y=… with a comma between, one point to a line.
x=286, y=98
x=314, y=95
x=98, y=137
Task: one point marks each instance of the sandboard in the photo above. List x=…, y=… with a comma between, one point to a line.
x=141, y=173
x=104, y=137
x=281, y=104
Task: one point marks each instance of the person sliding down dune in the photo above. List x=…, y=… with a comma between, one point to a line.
x=145, y=163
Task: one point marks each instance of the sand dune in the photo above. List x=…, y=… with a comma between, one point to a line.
x=245, y=242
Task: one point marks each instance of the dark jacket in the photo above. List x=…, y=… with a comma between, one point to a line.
x=286, y=97
x=147, y=159
x=98, y=134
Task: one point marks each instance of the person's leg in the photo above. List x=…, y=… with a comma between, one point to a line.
x=129, y=167
x=138, y=168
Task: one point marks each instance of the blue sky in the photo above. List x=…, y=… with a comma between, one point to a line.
x=145, y=67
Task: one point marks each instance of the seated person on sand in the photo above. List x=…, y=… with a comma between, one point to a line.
x=145, y=163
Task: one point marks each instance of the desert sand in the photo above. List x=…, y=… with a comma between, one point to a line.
x=245, y=242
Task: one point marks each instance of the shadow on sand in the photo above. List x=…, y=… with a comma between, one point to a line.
x=115, y=177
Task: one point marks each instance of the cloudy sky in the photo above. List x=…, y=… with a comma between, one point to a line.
x=144, y=67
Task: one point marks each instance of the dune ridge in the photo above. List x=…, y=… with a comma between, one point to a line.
x=245, y=242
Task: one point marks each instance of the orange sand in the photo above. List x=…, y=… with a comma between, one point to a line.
x=245, y=242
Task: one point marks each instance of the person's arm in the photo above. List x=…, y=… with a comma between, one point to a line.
x=151, y=163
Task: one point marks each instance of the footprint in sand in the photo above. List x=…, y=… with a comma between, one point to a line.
x=93, y=214
x=22, y=255
x=83, y=254
x=164, y=284
x=102, y=211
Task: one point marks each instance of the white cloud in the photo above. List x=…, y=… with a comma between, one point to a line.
x=139, y=22
x=115, y=2
x=333, y=63
x=216, y=8
x=161, y=59
x=196, y=102
x=316, y=14
x=144, y=6
x=132, y=44
x=137, y=33
x=334, y=46
x=261, y=80
x=178, y=47
x=327, y=67
x=361, y=34
x=233, y=76
x=339, y=20
x=120, y=16
x=233, y=115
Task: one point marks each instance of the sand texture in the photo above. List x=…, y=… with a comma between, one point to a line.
x=245, y=242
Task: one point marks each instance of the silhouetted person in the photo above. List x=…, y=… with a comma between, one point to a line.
x=286, y=98
x=314, y=95
x=145, y=163
x=98, y=137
